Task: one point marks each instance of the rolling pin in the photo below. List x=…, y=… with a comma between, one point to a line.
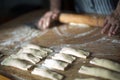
x=91, y=20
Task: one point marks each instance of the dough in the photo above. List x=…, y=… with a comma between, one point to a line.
x=86, y=79
x=99, y=72
x=79, y=25
x=55, y=64
x=37, y=53
x=32, y=46
x=106, y=64
x=64, y=57
x=24, y=65
x=47, y=73
x=48, y=50
x=27, y=57
x=77, y=53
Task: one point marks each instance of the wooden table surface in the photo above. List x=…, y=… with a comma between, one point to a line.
x=16, y=33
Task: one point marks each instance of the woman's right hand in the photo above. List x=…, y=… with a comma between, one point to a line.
x=47, y=19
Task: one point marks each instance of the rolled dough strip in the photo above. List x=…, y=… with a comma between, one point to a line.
x=32, y=46
x=86, y=79
x=48, y=50
x=47, y=73
x=106, y=64
x=99, y=72
x=27, y=57
x=77, y=53
x=37, y=53
x=64, y=57
x=16, y=63
x=55, y=64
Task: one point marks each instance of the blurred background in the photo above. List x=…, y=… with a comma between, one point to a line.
x=10, y=9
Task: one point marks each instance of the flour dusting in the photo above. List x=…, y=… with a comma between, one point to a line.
x=22, y=34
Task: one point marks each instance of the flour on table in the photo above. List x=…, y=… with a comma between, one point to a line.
x=22, y=34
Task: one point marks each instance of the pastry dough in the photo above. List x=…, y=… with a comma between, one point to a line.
x=16, y=63
x=99, y=72
x=77, y=53
x=85, y=79
x=47, y=73
x=27, y=57
x=64, y=57
x=32, y=46
x=55, y=64
x=37, y=53
x=106, y=64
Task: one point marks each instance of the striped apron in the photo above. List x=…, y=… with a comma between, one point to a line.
x=104, y=7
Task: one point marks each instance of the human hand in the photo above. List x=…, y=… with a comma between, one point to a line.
x=111, y=24
x=47, y=19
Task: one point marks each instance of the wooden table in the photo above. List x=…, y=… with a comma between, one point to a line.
x=16, y=33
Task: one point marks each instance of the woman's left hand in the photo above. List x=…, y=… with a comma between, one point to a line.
x=112, y=24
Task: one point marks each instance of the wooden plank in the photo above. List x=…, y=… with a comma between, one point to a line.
x=3, y=78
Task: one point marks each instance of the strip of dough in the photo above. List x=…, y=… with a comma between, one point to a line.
x=106, y=64
x=77, y=53
x=64, y=57
x=47, y=73
x=37, y=53
x=86, y=79
x=32, y=46
x=27, y=57
x=99, y=72
x=16, y=63
x=55, y=64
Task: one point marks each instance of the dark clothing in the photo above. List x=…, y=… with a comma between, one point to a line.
x=104, y=7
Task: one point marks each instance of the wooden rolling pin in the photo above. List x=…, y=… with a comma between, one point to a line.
x=91, y=20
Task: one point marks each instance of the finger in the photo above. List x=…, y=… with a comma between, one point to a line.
x=40, y=24
x=105, y=22
x=116, y=29
x=106, y=28
x=46, y=23
x=110, y=33
x=54, y=16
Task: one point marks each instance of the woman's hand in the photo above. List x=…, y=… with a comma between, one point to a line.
x=47, y=19
x=112, y=24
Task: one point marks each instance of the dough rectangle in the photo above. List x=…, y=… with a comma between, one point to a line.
x=16, y=63
x=106, y=64
x=99, y=72
x=55, y=64
x=85, y=79
x=74, y=52
x=64, y=57
x=43, y=72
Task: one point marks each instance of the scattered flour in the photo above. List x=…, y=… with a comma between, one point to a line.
x=21, y=34
x=84, y=34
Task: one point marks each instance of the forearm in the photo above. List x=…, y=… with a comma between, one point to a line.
x=55, y=5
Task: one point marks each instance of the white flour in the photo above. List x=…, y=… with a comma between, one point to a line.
x=21, y=34
x=86, y=33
